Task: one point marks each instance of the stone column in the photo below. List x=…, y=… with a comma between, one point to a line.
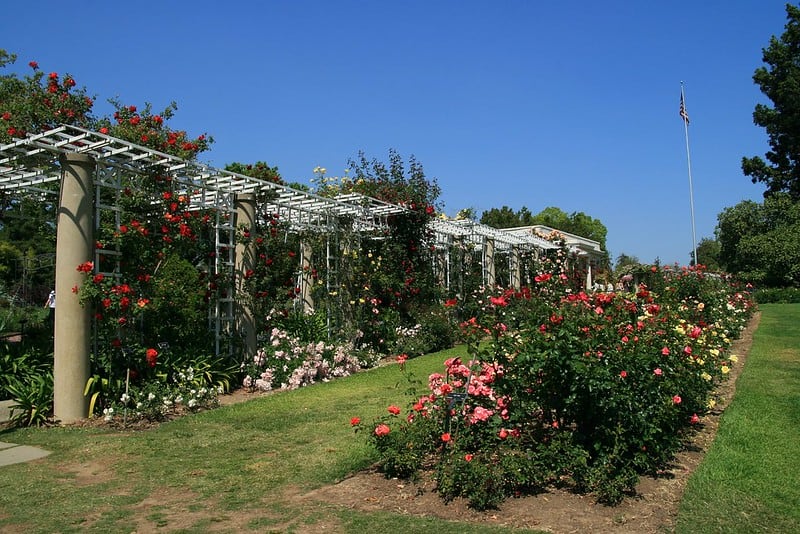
x=488, y=260
x=73, y=328
x=589, y=281
x=515, y=269
x=245, y=260
x=306, y=280
x=440, y=266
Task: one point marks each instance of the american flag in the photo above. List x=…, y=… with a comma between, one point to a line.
x=684, y=115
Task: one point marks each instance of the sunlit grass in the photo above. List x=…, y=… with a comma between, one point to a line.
x=238, y=460
x=750, y=478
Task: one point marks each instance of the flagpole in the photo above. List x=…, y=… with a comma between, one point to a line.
x=685, y=118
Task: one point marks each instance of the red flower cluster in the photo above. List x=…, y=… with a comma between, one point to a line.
x=86, y=267
x=151, y=355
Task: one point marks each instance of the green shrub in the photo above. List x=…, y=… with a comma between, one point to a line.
x=784, y=295
x=33, y=400
x=588, y=390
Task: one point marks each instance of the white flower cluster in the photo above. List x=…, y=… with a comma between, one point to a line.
x=296, y=364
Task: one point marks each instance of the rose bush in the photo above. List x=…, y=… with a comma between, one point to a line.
x=594, y=389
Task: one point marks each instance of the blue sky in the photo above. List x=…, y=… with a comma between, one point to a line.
x=505, y=103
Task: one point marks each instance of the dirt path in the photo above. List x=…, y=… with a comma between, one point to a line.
x=653, y=510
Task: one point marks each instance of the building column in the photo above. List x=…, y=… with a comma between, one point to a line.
x=306, y=280
x=73, y=327
x=440, y=266
x=488, y=262
x=245, y=205
x=515, y=269
x=589, y=281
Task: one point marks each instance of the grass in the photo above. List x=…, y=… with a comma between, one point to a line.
x=750, y=479
x=246, y=467
x=231, y=466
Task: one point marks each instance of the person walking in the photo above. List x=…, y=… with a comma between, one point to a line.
x=51, y=303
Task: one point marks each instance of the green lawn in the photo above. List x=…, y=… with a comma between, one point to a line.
x=245, y=467
x=235, y=465
x=750, y=479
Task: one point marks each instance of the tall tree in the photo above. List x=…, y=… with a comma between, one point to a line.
x=708, y=250
x=625, y=260
x=761, y=242
x=779, y=80
x=577, y=223
x=504, y=217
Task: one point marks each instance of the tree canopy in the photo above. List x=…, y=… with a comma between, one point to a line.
x=779, y=80
x=577, y=223
x=761, y=241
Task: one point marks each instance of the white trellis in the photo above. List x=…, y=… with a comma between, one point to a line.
x=93, y=164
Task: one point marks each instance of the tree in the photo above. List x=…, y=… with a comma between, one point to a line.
x=504, y=217
x=708, y=250
x=577, y=223
x=780, y=82
x=623, y=260
x=761, y=242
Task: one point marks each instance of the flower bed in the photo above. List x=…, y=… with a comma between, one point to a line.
x=576, y=389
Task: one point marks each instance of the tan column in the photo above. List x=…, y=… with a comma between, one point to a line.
x=245, y=260
x=440, y=266
x=73, y=329
x=488, y=259
x=589, y=281
x=306, y=280
x=515, y=268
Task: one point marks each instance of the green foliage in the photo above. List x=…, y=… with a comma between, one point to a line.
x=38, y=102
x=708, y=251
x=306, y=327
x=779, y=80
x=33, y=400
x=381, y=279
x=785, y=295
x=157, y=400
x=149, y=129
x=609, y=384
x=19, y=366
x=760, y=242
x=178, y=309
x=434, y=332
x=747, y=481
x=259, y=169
x=506, y=217
x=287, y=362
x=577, y=223
x=625, y=262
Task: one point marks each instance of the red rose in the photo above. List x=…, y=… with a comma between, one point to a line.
x=151, y=355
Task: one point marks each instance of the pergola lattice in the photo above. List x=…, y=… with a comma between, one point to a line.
x=29, y=164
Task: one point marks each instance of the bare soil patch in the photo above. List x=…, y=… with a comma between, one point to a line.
x=652, y=510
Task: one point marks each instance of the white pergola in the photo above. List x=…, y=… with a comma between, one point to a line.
x=90, y=166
